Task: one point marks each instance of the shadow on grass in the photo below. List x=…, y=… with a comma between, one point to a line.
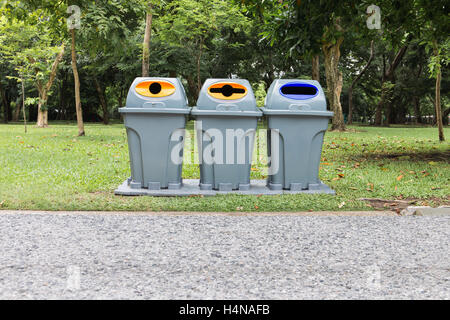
x=443, y=156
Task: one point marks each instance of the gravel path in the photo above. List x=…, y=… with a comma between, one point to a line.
x=138, y=256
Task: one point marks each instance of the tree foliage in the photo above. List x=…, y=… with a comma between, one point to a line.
x=252, y=39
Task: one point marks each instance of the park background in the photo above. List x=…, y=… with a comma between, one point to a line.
x=65, y=69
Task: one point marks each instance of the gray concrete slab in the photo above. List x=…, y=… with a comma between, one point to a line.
x=192, y=187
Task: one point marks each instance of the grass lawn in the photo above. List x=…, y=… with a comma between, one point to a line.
x=52, y=169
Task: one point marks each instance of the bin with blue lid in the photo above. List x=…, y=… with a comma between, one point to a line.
x=297, y=119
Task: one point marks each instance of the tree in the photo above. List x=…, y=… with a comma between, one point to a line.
x=108, y=36
x=191, y=24
x=309, y=27
x=76, y=77
x=387, y=80
x=355, y=81
x=435, y=27
x=5, y=103
x=146, y=43
x=51, y=13
x=33, y=60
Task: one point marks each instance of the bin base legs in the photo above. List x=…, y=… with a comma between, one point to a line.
x=174, y=186
x=205, y=186
x=135, y=185
x=152, y=185
x=170, y=186
x=225, y=187
x=296, y=186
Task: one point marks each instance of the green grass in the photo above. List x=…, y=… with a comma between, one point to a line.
x=52, y=169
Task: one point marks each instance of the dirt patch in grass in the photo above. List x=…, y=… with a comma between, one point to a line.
x=399, y=204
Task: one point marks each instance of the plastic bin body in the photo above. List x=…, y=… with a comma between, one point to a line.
x=297, y=118
x=232, y=119
x=155, y=125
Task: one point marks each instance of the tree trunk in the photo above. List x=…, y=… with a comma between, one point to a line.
x=120, y=99
x=77, y=87
x=416, y=101
x=42, y=119
x=192, y=88
x=433, y=120
x=316, y=67
x=388, y=75
x=417, y=114
x=445, y=117
x=62, y=99
x=388, y=113
x=379, y=109
x=5, y=104
x=17, y=111
x=199, y=59
x=146, y=44
x=102, y=99
x=438, y=107
x=334, y=82
x=23, y=106
x=350, y=105
x=437, y=101
x=355, y=81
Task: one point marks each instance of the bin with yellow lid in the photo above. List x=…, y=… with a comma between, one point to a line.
x=155, y=118
x=226, y=121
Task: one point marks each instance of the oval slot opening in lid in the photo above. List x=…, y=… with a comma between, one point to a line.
x=299, y=91
x=155, y=88
x=227, y=91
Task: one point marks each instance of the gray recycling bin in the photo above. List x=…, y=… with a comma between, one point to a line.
x=226, y=121
x=155, y=117
x=297, y=119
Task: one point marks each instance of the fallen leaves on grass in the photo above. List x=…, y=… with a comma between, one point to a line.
x=399, y=204
x=393, y=205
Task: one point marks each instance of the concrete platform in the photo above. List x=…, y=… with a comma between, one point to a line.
x=192, y=187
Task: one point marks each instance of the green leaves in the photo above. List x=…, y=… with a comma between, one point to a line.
x=29, y=48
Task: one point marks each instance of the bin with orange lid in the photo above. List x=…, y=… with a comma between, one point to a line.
x=155, y=118
x=226, y=120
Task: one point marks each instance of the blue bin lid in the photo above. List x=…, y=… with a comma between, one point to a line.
x=296, y=95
